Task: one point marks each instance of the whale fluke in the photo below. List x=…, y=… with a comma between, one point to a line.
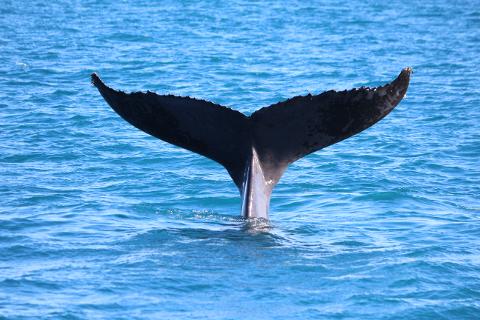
x=257, y=149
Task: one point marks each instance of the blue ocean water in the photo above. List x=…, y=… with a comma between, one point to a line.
x=99, y=220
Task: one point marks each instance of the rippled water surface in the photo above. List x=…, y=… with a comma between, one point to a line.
x=99, y=220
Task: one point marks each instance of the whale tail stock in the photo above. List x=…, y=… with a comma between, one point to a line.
x=257, y=149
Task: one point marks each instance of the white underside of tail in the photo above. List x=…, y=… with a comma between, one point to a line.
x=256, y=191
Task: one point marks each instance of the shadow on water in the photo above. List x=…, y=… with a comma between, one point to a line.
x=208, y=228
x=243, y=234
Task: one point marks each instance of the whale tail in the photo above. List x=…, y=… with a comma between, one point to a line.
x=267, y=141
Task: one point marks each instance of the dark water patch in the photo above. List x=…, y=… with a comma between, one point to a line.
x=23, y=284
